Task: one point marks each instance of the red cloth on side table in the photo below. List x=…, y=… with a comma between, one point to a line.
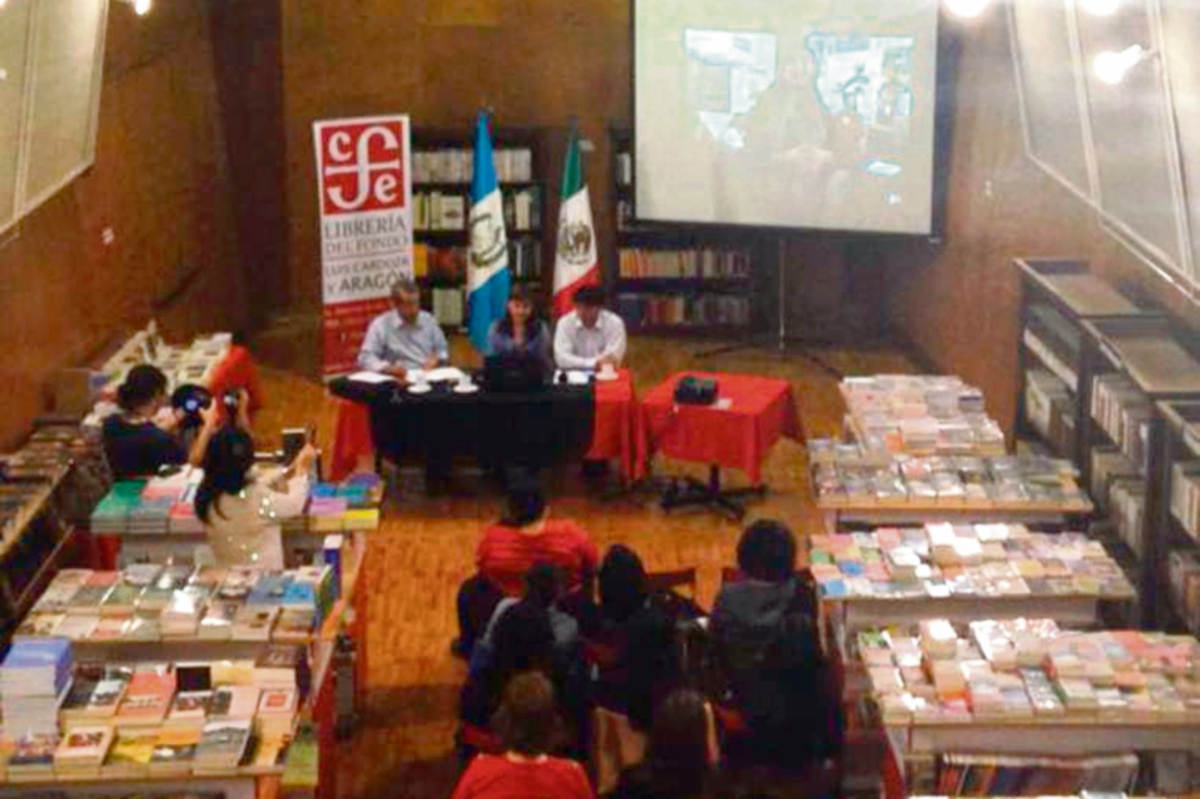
x=619, y=431
x=761, y=410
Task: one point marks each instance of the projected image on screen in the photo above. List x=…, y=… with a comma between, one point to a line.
x=783, y=117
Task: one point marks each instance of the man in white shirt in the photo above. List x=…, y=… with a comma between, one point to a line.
x=405, y=337
x=590, y=336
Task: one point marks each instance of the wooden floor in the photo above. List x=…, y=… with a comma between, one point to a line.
x=404, y=745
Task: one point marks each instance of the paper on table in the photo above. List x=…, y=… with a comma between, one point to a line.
x=450, y=374
x=373, y=378
x=575, y=377
x=723, y=403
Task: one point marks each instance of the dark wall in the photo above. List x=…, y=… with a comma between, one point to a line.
x=161, y=182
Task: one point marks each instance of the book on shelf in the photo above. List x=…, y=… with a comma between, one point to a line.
x=222, y=746
x=147, y=700
x=82, y=751
x=1050, y=409
x=1183, y=580
x=174, y=751
x=1185, y=496
x=992, y=775
x=129, y=757
x=645, y=310
x=456, y=164
x=449, y=306
x=32, y=758
x=713, y=264
x=1123, y=412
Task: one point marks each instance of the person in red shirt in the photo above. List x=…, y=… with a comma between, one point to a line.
x=529, y=728
x=508, y=550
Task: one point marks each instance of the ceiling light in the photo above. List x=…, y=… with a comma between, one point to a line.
x=1110, y=67
x=967, y=9
x=141, y=7
x=1100, y=8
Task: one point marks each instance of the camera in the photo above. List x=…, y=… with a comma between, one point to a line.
x=232, y=400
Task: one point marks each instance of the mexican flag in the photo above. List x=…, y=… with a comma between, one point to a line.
x=575, y=261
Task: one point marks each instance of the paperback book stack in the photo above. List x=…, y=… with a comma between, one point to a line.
x=1031, y=670
x=848, y=474
x=921, y=414
x=82, y=752
x=145, y=602
x=980, y=560
x=34, y=679
x=111, y=516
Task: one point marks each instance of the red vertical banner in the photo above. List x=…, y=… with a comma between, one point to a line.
x=365, y=183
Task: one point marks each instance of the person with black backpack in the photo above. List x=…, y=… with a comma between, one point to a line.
x=765, y=630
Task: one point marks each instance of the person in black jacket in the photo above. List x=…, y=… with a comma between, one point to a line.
x=765, y=632
x=679, y=762
x=639, y=666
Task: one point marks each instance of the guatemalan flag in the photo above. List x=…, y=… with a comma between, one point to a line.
x=489, y=278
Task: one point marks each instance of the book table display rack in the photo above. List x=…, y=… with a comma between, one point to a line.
x=895, y=577
x=198, y=624
x=1034, y=706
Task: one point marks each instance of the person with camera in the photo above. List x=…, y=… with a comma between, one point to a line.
x=142, y=438
x=241, y=507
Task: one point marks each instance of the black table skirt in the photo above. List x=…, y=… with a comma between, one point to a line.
x=492, y=429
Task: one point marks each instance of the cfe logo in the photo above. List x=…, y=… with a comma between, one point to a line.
x=361, y=166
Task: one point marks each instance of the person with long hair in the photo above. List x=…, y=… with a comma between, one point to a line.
x=530, y=728
x=241, y=510
x=679, y=762
x=521, y=330
x=140, y=439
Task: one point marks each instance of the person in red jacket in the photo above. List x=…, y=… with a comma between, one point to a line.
x=509, y=549
x=529, y=728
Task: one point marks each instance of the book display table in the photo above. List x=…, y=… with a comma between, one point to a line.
x=254, y=636
x=1096, y=705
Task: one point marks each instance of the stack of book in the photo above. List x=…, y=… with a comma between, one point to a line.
x=981, y=560
x=172, y=720
x=1031, y=670
x=167, y=505
x=34, y=679
x=921, y=414
x=850, y=474
x=1123, y=412
x=150, y=603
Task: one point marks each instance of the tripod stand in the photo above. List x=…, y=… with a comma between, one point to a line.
x=781, y=344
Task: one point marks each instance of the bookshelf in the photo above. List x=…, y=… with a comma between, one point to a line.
x=1057, y=296
x=443, y=163
x=678, y=279
x=1139, y=363
x=1181, y=515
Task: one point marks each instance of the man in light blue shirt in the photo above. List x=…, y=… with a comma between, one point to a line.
x=405, y=337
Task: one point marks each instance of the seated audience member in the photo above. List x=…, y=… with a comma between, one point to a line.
x=241, y=511
x=139, y=440
x=680, y=760
x=637, y=660
x=404, y=338
x=523, y=640
x=521, y=331
x=525, y=536
x=544, y=589
x=590, y=336
x=529, y=727
x=238, y=372
x=766, y=638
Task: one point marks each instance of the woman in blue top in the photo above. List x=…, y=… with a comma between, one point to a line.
x=521, y=331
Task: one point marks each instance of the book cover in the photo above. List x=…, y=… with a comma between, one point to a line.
x=131, y=752
x=147, y=699
x=277, y=703
x=190, y=707
x=234, y=702
x=175, y=750
x=84, y=746
x=105, y=698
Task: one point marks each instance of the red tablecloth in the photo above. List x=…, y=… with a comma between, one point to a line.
x=619, y=432
x=752, y=413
